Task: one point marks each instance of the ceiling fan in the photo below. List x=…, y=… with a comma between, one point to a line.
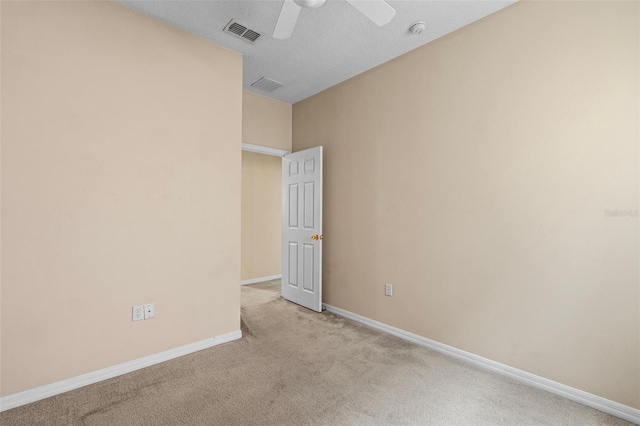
x=376, y=10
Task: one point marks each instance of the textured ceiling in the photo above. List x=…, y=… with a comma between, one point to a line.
x=330, y=44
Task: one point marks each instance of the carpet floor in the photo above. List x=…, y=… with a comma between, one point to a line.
x=297, y=367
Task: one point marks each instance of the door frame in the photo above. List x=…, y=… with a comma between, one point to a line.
x=264, y=150
x=259, y=149
x=276, y=153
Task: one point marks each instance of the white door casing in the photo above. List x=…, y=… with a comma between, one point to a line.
x=302, y=228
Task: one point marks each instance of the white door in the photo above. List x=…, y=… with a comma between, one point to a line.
x=302, y=228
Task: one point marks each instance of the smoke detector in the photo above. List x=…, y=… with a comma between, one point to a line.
x=418, y=27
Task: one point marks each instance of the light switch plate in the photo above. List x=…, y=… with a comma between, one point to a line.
x=388, y=289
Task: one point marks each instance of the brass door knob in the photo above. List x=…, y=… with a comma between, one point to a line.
x=317, y=237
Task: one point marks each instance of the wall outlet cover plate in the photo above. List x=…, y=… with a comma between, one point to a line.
x=137, y=313
x=149, y=311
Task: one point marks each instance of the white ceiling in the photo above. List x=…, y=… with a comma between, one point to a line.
x=329, y=45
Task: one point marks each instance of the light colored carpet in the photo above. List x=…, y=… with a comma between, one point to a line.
x=297, y=367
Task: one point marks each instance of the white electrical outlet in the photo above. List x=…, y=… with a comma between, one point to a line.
x=388, y=289
x=138, y=313
x=149, y=311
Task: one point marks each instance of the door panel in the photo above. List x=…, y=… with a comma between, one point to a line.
x=293, y=265
x=308, y=205
x=307, y=268
x=302, y=228
x=293, y=206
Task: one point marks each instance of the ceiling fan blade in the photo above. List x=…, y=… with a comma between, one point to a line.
x=376, y=10
x=287, y=19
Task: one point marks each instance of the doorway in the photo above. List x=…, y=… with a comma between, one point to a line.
x=261, y=227
x=282, y=222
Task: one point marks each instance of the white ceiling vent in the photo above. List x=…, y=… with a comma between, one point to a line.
x=267, y=85
x=242, y=31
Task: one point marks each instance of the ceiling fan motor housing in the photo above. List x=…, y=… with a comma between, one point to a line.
x=378, y=11
x=309, y=3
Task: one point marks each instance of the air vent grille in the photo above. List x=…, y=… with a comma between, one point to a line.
x=251, y=35
x=242, y=31
x=267, y=85
x=237, y=29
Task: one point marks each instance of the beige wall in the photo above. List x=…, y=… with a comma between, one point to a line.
x=121, y=186
x=261, y=215
x=266, y=122
x=474, y=174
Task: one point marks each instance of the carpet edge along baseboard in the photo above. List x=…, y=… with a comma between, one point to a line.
x=585, y=398
x=36, y=394
x=260, y=279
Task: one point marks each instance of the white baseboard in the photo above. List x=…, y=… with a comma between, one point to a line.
x=11, y=401
x=259, y=280
x=590, y=400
